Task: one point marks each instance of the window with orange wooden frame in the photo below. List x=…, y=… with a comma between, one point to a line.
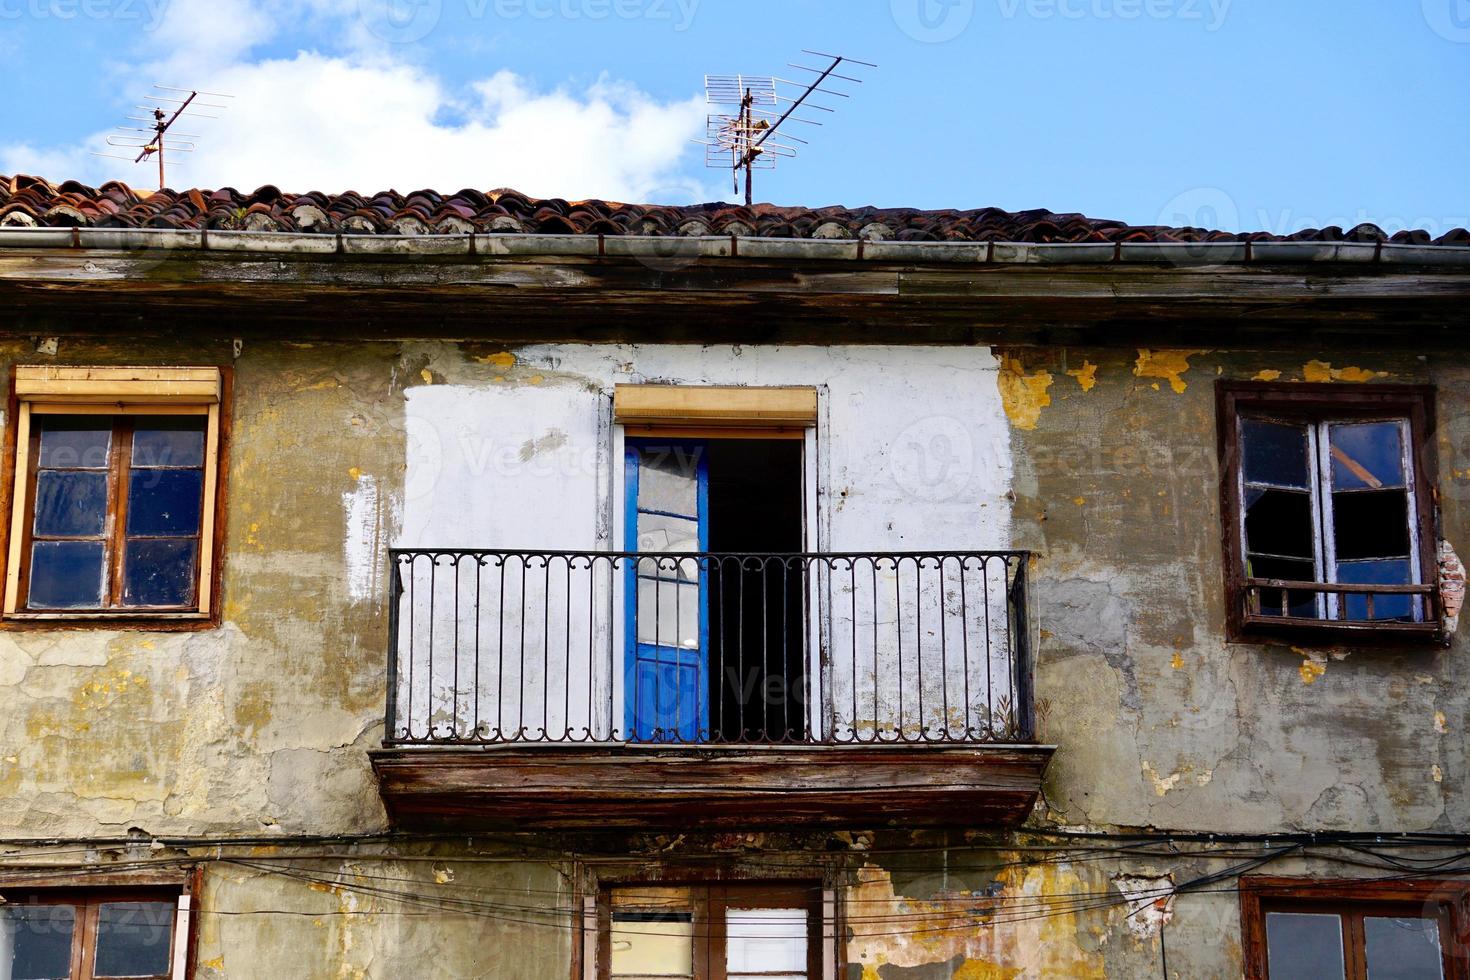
x=114, y=495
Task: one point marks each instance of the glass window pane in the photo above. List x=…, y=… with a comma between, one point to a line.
x=658, y=534
x=74, y=441
x=1367, y=455
x=1371, y=524
x=650, y=944
x=36, y=941
x=134, y=939
x=159, y=572
x=164, y=501
x=1278, y=522
x=70, y=503
x=765, y=942
x=668, y=479
x=1395, y=572
x=66, y=575
x=1303, y=946
x=668, y=613
x=1301, y=602
x=1274, y=452
x=1403, y=949
x=168, y=441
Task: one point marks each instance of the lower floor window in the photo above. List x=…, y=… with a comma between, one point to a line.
x=54, y=935
x=712, y=932
x=1352, y=931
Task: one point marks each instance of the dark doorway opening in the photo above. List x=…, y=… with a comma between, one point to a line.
x=757, y=597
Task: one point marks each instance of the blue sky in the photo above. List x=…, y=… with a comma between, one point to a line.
x=1274, y=114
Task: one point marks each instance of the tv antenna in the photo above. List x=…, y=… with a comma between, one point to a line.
x=162, y=112
x=743, y=139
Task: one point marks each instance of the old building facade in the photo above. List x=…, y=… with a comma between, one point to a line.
x=484, y=587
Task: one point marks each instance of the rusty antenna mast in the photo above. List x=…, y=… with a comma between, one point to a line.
x=163, y=111
x=742, y=140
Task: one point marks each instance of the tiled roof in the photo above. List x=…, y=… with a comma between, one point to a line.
x=34, y=202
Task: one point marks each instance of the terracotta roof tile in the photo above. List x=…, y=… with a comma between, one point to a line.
x=32, y=201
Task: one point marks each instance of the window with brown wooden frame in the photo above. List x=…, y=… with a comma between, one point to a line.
x=92, y=934
x=1343, y=929
x=1328, y=498
x=711, y=931
x=115, y=494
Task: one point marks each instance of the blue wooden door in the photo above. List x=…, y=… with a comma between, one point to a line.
x=666, y=663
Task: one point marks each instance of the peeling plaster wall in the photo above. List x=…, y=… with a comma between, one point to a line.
x=1159, y=722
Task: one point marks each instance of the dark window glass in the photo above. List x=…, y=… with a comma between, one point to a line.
x=133, y=939
x=168, y=442
x=1402, y=949
x=66, y=574
x=1394, y=572
x=1278, y=522
x=164, y=502
x=71, y=503
x=42, y=941
x=159, y=572
x=1367, y=456
x=1370, y=524
x=1304, y=946
x=79, y=442
x=1275, y=453
x=1298, y=602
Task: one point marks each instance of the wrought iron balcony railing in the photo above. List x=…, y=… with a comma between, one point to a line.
x=707, y=648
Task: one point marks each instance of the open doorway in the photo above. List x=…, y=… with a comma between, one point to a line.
x=717, y=648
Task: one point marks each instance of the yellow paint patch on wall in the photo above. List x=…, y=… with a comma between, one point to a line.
x=1324, y=371
x=427, y=375
x=1311, y=669
x=1436, y=773
x=355, y=473
x=1168, y=365
x=503, y=360
x=1086, y=375
x=1269, y=374
x=1178, y=662
x=1023, y=395
x=1162, y=784
x=982, y=970
x=1441, y=723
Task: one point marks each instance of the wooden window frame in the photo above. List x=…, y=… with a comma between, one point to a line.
x=88, y=901
x=114, y=392
x=711, y=899
x=1317, y=403
x=1449, y=901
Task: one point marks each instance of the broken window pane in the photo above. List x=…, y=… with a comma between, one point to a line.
x=1367, y=455
x=134, y=939
x=1298, y=602
x=768, y=943
x=1403, y=949
x=1274, y=453
x=1396, y=572
x=36, y=941
x=1279, y=522
x=668, y=479
x=1302, y=945
x=1370, y=524
x=652, y=944
x=66, y=575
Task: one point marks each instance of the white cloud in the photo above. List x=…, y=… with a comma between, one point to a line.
x=366, y=119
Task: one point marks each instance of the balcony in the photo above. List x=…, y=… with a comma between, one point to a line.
x=597, y=689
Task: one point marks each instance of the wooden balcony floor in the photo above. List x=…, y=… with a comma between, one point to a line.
x=603, y=785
